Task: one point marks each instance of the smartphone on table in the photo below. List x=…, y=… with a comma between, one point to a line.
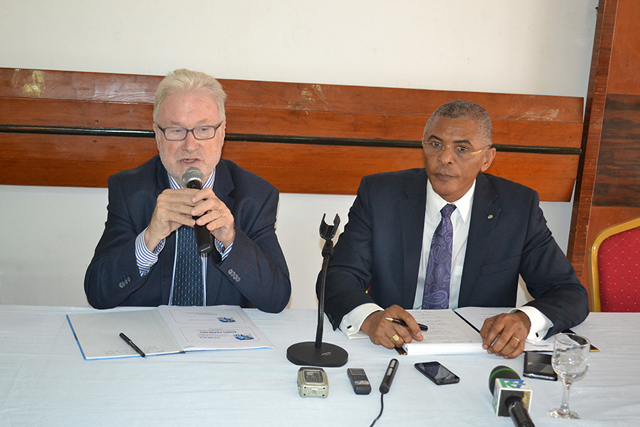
x=538, y=365
x=437, y=373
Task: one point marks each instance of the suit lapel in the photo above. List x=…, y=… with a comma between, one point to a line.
x=166, y=268
x=412, y=211
x=485, y=213
x=223, y=184
x=222, y=187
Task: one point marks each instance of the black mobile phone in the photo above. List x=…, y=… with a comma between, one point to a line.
x=437, y=373
x=538, y=365
x=593, y=348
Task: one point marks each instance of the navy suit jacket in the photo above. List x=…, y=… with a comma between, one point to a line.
x=508, y=236
x=254, y=274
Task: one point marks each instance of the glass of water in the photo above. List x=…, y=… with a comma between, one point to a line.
x=570, y=360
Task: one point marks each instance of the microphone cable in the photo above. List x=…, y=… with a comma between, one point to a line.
x=381, y=409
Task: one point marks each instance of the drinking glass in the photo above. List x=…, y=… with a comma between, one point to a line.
x=570, y=360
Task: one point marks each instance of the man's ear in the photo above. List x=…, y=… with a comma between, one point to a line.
x=157, y=131
x=488, y=158
x=223, y=130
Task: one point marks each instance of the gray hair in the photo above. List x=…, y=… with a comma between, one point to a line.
x=461, y=109
x=187, y=81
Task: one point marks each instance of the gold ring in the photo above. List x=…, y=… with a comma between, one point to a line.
x=395, y=338
x=516, y=339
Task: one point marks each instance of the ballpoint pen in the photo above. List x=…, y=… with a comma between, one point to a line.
x=131, y=344
x=402, y=323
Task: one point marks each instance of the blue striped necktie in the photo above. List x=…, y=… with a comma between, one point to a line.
x=188, y=287
x=436, y=284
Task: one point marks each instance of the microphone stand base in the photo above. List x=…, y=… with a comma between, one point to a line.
x=328, y=355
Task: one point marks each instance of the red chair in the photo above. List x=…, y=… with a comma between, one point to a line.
x=614, y=272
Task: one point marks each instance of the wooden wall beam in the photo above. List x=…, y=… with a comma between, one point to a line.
x=305, y=138
x=594, y=115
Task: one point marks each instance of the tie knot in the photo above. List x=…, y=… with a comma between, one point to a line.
x=447, y=210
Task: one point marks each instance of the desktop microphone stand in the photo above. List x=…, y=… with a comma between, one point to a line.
x=320, y=353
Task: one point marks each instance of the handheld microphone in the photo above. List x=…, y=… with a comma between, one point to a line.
x=511, y=395
x=192, y=178
x=386, y=385
x=388, y=376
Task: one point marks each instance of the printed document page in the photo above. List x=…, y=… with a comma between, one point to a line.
x=219, y=327
x=447, y=334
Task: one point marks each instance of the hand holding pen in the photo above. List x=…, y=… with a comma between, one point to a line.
x=403, y=323
x=389, y=333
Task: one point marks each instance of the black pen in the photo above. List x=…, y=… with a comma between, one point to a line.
x=403, y=323
x=133, y=346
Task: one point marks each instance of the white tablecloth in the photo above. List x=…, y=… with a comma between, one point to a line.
x=44, y=381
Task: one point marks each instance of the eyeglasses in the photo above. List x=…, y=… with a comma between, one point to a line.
x=177, y=133
x=461, y=152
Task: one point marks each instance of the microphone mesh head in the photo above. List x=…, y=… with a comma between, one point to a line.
x=502, y=372
x=192, y=174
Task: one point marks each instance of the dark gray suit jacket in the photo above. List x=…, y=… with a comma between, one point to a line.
x=508, y=236
x=254, y=274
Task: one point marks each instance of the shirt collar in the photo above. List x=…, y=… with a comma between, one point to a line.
x=175, y=185
x=463, y=205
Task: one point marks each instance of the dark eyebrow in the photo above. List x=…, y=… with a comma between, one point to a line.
x=434, y=137
x=460, y=141
x=463, y=141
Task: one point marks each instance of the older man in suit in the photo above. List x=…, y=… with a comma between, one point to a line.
x=450, y=236
x=147, y=255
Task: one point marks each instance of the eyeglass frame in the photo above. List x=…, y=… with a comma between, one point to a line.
x=452, y=148
x=215, y=131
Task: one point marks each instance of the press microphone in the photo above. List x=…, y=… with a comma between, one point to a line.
x=511, y=395
x=388, y=376
x=192, y=178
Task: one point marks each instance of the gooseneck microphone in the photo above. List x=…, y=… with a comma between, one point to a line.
x=192, y=178
x=511, y=395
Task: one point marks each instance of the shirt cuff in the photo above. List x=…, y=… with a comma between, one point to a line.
x=352, y=321
x=540, y=324
x=144, y=257
x=224, y=253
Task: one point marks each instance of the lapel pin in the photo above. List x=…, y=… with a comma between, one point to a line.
x=490, y=216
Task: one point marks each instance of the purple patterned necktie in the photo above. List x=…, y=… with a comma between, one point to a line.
x=188, y=286
x=436, y=284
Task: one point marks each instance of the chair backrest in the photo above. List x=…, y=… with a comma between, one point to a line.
x=614, y=272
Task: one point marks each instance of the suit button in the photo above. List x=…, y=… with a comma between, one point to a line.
x=233, y=275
